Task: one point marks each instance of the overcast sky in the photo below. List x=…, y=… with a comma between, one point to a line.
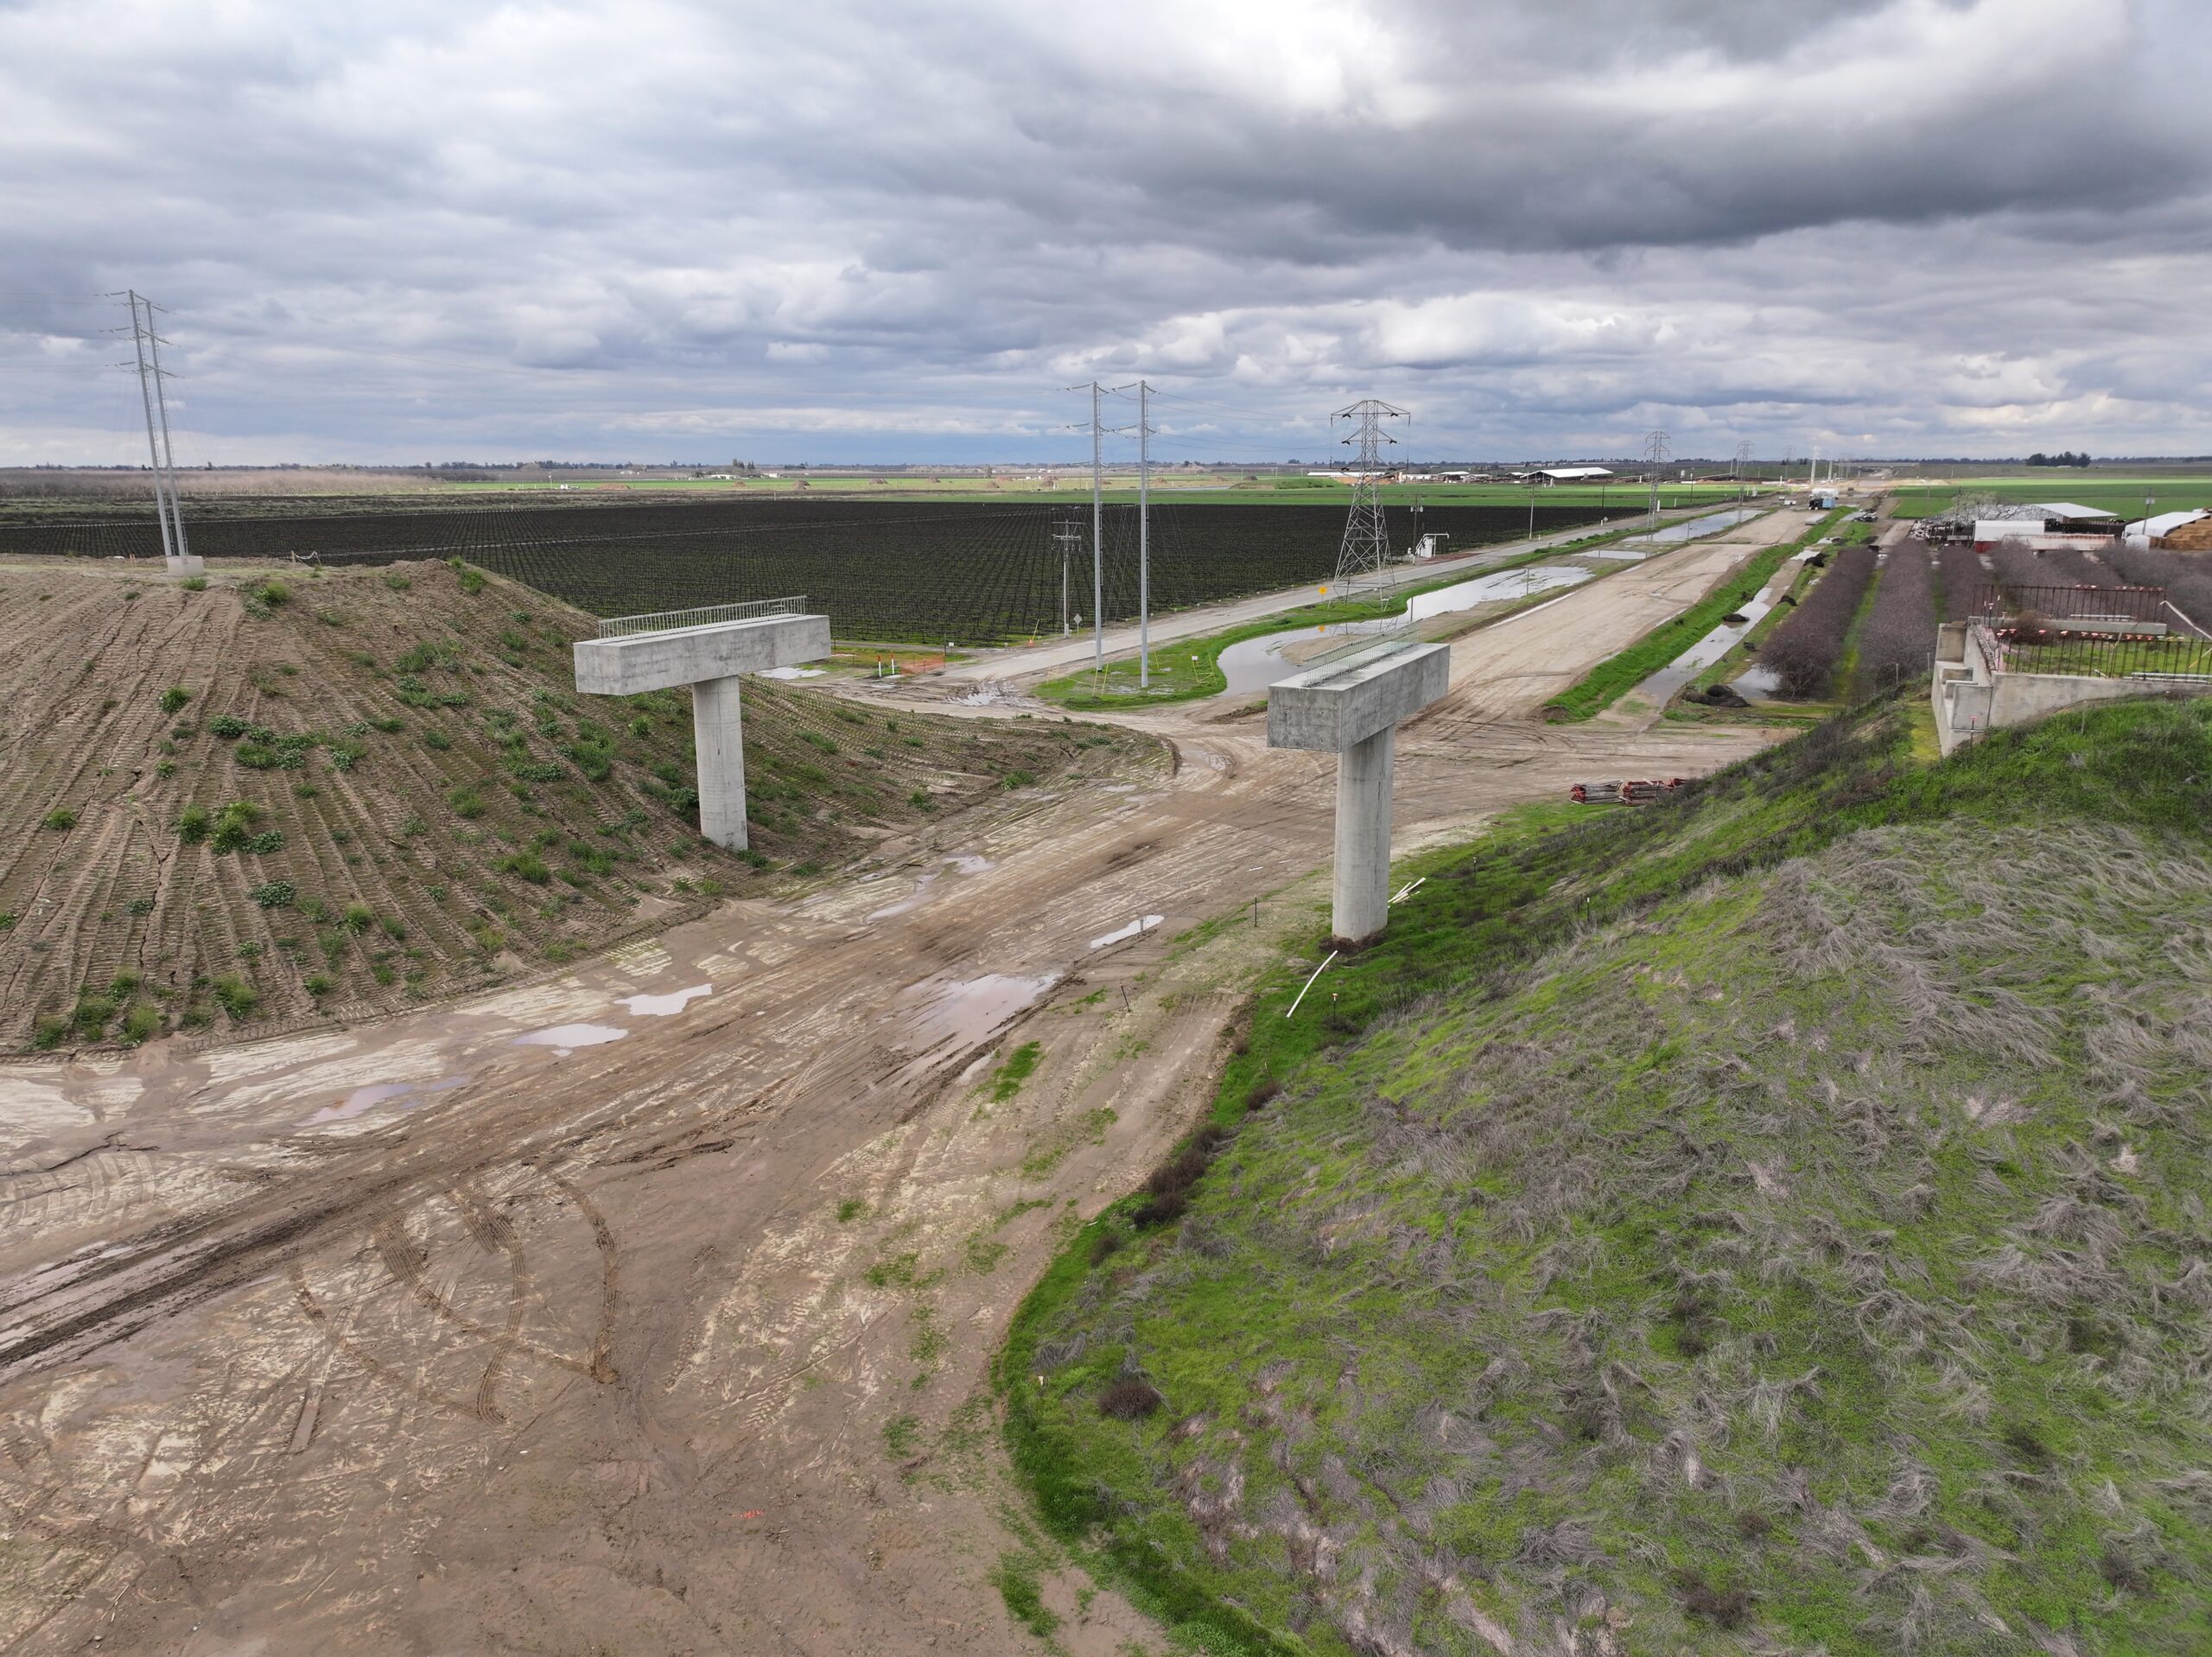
x=406, y=230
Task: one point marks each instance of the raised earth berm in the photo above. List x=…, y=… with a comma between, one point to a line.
x=1768, y=1223
x=282, y=797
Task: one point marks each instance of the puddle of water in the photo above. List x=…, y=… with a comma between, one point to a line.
x=970, y=1009
x=1133, y=930
x=378, y=1092
x=662, y=1007
x=1254, y=664
x=565, y=1038
x=792, y=673
x=1691, y=528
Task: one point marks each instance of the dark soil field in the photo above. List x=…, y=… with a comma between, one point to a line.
x=349, y=790
x=929, y=572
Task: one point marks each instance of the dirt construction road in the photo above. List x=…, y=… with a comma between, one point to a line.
x=649, y=1310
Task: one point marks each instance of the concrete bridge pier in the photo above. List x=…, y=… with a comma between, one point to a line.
x=718, y=749
x=709, y=659
x=1351, y=709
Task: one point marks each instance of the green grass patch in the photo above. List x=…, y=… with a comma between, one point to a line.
x=1672, y=1194
x=1020, y=1066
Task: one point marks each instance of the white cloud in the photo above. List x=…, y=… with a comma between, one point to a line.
x=393, y=231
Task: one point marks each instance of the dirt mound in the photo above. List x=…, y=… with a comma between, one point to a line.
x=277, y=796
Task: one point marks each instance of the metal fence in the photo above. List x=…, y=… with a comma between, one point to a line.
x=2104, y=632
x=663, y=621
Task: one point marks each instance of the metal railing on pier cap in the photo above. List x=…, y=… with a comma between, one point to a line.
x=706, y=615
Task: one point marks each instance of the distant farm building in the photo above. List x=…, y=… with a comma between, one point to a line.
x=2182, y=532
x=1551, y=474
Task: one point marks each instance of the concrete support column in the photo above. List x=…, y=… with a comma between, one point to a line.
x=710, y=659
x=1362, y=895
x=1351, y=709
x=718, y=745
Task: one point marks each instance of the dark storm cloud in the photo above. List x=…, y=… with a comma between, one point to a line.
x=667, y=229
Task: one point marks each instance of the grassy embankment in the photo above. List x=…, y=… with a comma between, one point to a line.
x=1619, y=674
x=1189, y=670
x=1776, y=1218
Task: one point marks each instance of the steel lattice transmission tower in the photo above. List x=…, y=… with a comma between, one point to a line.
x=1366, y=545
x=1655, y=456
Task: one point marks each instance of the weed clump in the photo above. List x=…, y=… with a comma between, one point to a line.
x=1724, y=1607
x=1130, y=1397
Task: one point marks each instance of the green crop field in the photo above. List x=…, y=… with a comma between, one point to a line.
x=1769, y=1220
x=2122, y=497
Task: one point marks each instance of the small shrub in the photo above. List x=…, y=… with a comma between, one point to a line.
x=851, y=1208
x=1019, y=780
x=192, y=824
x=346, y=752
x=466, y=802
x=1130, y=1397
x=922, y=799
x=527, y=866
x=195, y=583
x=1724, y=1607
x=173, y=698
x=49, y=1032
x=62, y=817
x=470, y=577
x=236, y=995
x=141, y=1023
x=357, y=918
x=234, y=825
x=228, y=725
x=267, y=840
x=318, y=983
x=397, y=582
x=254, y=756
x=273, y=594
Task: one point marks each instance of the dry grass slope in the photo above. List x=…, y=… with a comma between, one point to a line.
x=1809, y=1252
x=285, y=795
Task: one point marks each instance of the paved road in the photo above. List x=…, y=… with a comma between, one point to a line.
x=1060, y=655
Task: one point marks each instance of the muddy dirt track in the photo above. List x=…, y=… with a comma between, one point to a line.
x=649, y=1310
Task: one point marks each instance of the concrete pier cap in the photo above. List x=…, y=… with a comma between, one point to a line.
x=710, y=659
x=1352, y=707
